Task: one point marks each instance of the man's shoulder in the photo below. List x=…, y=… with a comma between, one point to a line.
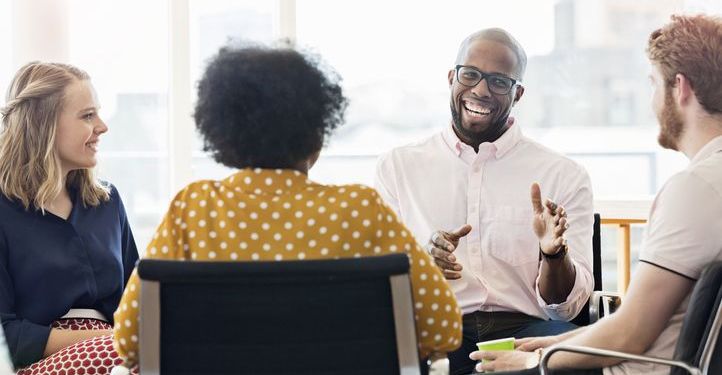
x=707, y=171
x=688, y=205
x=422, y=151
x=693, y=192
x=414, y=150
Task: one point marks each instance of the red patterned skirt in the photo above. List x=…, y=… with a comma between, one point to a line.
x=94, y=356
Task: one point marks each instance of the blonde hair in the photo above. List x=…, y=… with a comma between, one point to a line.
x=30, y=169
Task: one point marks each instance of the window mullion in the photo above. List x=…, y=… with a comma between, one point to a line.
x=180, y=124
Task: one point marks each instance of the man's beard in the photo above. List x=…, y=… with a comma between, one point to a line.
x=495, y=129
x=671, y=125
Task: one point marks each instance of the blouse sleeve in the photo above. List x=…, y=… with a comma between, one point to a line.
x=130, y=251
x=438, y=317
x=26, y=340
x=164, y=245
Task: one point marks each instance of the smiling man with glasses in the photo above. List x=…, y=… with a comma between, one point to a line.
x=519, y=266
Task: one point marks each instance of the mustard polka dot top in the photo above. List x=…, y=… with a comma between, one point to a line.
x=263, y=214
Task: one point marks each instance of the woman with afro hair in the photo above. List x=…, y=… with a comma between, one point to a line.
x=266, y=112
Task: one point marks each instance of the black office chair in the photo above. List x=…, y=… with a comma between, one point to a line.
x=589, y=312
x=698, y=349
x=348, y=316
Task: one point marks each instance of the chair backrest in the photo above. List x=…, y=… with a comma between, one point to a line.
x=597, y=252
x=699, y=340
x=350, y=316
x=582, y=319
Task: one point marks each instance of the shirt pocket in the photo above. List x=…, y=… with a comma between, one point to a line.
x=511, y=238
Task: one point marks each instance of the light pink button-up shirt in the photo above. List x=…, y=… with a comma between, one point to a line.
x=440, y=184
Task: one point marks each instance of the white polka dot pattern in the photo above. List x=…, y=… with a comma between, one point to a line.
x=281, y=215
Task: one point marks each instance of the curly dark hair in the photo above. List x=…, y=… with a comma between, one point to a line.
x=267, y=107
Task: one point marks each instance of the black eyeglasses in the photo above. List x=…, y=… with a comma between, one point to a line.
x=497, y=83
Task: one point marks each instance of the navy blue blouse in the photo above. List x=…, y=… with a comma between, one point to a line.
x=49, y=265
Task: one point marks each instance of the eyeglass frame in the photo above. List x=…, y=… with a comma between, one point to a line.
x=484, y=75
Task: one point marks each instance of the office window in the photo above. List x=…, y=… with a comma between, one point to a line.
x=125, y=51
x=586, y=75
x=212, y=25
x=5, y=47
x=587, y=93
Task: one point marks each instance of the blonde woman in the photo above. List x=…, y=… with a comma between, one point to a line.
x=66, y=249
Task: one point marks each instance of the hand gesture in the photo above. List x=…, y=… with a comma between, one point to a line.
x=550, y=222
x=441, y=245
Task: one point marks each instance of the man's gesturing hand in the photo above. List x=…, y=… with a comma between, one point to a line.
x=550, y=222
x=441, y=246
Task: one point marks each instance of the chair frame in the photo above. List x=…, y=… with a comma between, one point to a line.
x=404, y=323
x=705, y=359
x=590, y=311
x=601, y=304
x=149, y=330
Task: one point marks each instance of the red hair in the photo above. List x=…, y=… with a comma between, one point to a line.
x=691, y=46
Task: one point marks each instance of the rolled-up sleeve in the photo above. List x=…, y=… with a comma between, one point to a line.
x=567, y=310
x=26, y=340
x=578, y=203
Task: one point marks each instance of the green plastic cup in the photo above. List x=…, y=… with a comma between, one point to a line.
x=496, y=345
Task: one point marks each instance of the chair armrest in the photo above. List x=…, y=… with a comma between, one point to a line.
x=609, y=303
x=543, y=363
x=438, y=364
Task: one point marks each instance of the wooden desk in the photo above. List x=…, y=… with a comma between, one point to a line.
x=623, y=258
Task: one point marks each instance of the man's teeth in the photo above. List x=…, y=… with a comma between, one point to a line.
x=476, y=109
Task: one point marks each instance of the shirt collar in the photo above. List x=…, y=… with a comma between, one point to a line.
x=713, y=146
x=499, y=148
x=268, y=181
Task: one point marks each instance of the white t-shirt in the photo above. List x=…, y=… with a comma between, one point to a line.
x=684, y=235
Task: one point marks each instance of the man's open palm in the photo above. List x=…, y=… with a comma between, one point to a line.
x=550, y=222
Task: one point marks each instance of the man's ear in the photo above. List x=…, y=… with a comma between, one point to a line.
x=518, y=93
x=451, y=76
x=683, y=91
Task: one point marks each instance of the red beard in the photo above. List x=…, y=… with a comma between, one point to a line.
x=671, y=125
